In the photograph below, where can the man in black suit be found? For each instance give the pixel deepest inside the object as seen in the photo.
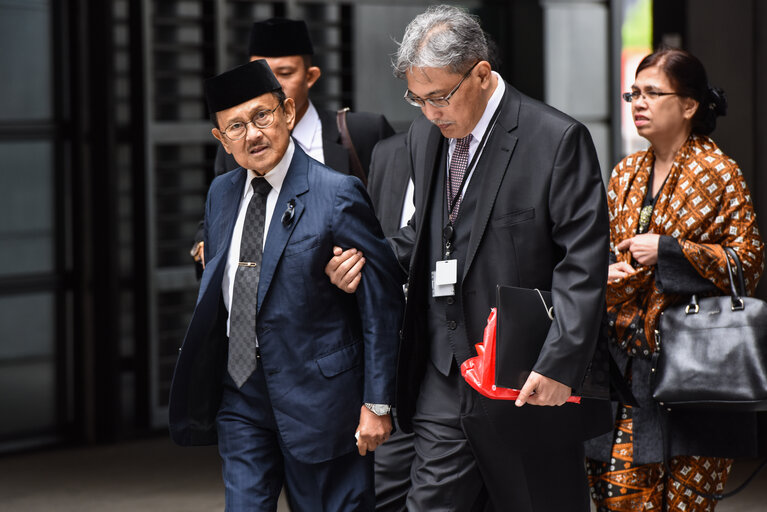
(287, 48)
(390, 183)
(507, 191)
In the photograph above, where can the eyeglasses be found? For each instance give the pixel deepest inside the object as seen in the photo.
(442, 102)
(628, 97)
(262, 119)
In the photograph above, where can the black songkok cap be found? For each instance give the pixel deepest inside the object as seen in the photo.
(239, 85)
(280, 37)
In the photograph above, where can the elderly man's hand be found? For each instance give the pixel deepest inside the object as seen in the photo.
(345, 269)
(372, 431)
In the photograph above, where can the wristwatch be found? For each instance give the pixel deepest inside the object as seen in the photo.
(379, 409)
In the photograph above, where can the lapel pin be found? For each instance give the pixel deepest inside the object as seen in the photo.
(287, 217)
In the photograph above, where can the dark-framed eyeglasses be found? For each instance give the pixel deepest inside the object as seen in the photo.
(261, 119)
(628, 97)
(442, 102)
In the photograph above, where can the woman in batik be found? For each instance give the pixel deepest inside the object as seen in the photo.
(673, 209)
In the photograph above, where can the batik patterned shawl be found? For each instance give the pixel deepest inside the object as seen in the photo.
(706, 205)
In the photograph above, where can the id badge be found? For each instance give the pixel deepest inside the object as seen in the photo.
(443, 278)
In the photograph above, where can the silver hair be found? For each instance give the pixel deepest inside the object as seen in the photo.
(442, 37)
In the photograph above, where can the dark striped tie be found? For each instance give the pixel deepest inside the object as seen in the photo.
(458, 164)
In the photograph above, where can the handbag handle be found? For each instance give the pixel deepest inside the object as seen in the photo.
(736, 294)
(737, 301)
(692, 308)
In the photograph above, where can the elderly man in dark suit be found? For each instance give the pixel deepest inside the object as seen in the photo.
(390, 186)
(279, 366)
(287, 48)
(507, 191)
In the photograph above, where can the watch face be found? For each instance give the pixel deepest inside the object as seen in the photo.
(378, 409)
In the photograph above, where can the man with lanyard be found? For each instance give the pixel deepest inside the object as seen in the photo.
(508, 191)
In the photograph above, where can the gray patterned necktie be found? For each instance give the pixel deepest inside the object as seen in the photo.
(458, 164)
(242, 316)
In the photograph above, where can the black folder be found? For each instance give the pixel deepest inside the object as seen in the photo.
(523, 323)
(522, 326)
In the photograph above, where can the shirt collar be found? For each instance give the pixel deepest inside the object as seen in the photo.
(492, 105)
(276, 176)
(306, 127)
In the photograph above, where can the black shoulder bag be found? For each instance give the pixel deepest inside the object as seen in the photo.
(712, 352)
(712, 355)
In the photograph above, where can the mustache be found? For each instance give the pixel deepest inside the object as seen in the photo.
(439, 122)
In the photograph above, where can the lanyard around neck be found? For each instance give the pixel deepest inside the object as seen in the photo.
(448, 231)
(454, 201)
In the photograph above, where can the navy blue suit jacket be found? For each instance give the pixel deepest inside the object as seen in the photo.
(324, 352)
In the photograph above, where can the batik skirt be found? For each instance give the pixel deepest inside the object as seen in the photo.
(622, 486)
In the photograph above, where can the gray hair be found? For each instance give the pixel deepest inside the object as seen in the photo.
(442, 37)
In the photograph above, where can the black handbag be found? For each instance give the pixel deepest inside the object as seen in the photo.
(712, 353)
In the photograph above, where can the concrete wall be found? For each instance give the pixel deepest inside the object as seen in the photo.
(377, 90)
(577, 66)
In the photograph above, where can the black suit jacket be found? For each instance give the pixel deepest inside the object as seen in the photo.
(390, 173)
(541, 222)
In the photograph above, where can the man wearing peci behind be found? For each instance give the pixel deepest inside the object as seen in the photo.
(278, 366)
(507, 191)
(286, 46)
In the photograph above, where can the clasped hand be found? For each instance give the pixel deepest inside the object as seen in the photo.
(372, 431)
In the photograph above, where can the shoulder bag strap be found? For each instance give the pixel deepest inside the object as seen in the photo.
(346, 140)
(738, 272)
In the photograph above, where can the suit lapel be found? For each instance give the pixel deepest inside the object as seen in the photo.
(395, 199)
(430, 158)
(492, 167)
(296, 183)
(336, 156)
(229, 198)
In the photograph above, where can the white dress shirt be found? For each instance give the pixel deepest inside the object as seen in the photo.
(275, 177)
(308, 134)
(408, 207)
(479, 129)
